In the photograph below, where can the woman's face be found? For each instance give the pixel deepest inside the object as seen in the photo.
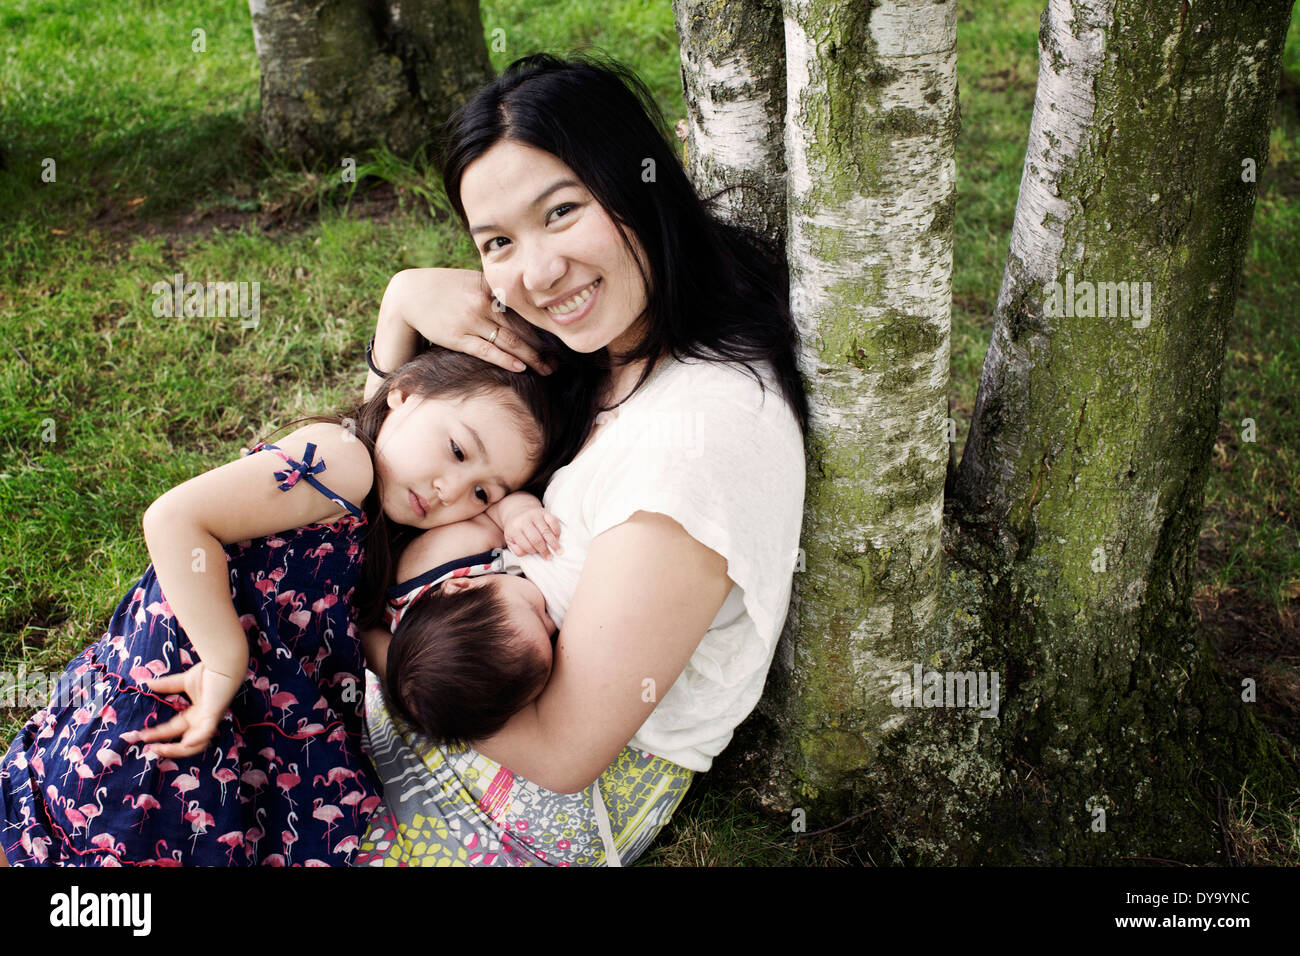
(545, 243)
(445, 460)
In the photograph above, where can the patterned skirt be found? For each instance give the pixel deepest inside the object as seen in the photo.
(447, 807)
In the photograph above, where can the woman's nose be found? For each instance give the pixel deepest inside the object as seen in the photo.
(542, 269)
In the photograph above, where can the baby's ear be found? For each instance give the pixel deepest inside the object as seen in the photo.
(452, 585)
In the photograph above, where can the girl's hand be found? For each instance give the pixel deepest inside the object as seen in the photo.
(455, 309)
(533, 530)
(210, 694)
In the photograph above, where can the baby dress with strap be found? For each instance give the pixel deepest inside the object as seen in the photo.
(402, 595)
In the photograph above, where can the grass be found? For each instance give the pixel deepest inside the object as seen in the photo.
(158, 170)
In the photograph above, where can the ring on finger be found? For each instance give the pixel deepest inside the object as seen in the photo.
(492, 339)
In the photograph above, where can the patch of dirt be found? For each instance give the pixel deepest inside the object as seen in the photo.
(37, 619)
(1252, 640)
(1003, 80)
(1288, 94)
(122, 219)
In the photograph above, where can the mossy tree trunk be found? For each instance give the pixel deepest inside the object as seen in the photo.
(342, 75)
(869, 126)
(1073, 519)
(1079, 497)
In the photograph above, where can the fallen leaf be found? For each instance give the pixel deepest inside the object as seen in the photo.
(136, 201)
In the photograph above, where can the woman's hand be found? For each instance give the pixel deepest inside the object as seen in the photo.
(210, 693)
(455, 309)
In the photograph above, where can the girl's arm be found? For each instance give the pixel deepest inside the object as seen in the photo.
(647, 593)
(451, 308)
(185, 530)
(375, 641)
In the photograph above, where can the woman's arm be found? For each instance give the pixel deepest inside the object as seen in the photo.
(647, 593)
(451, 308)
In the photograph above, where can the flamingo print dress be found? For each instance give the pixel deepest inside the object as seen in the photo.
(285, 781)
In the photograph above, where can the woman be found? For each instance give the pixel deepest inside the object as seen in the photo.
(681, 511)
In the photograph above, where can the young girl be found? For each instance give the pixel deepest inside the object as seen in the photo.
(258, 568)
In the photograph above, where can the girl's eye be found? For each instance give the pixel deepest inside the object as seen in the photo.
(488, 247)
(455, 450)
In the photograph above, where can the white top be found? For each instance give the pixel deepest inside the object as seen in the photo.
(701, 443)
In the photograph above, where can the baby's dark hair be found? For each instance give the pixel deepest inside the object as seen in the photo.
(457, 669)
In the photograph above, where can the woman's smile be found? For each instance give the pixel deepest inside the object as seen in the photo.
(574, 308)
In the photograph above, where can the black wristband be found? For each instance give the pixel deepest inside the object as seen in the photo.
(370, 360)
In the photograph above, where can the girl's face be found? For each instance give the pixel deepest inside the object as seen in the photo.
(545, 242)
(444, 460)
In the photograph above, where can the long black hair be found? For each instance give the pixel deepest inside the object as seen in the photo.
(715, 291)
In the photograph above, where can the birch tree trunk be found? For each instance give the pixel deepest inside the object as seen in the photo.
(1077, 506)
(733, 79)
(343, 75)
(1079, 495)
(870, 124)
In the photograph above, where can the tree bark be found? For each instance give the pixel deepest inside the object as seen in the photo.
(340, 76)
(1079, 497)
(871, 120)
(1076, 509)
(733, 79)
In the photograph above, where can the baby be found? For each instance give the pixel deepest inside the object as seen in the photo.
(471, 636)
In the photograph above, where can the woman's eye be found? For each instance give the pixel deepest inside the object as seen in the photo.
(455, 450)
(562, 208)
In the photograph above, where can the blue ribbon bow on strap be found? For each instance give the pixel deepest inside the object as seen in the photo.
(288, 477)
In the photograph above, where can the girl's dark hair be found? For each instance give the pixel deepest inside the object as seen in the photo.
(716, 291)
(456, 668)
(557, 410)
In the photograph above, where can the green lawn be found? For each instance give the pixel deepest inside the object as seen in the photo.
(157, 171)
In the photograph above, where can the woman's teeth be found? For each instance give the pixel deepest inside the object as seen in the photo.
(575, 303)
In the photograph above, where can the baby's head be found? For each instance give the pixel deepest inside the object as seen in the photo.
(468, 655)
